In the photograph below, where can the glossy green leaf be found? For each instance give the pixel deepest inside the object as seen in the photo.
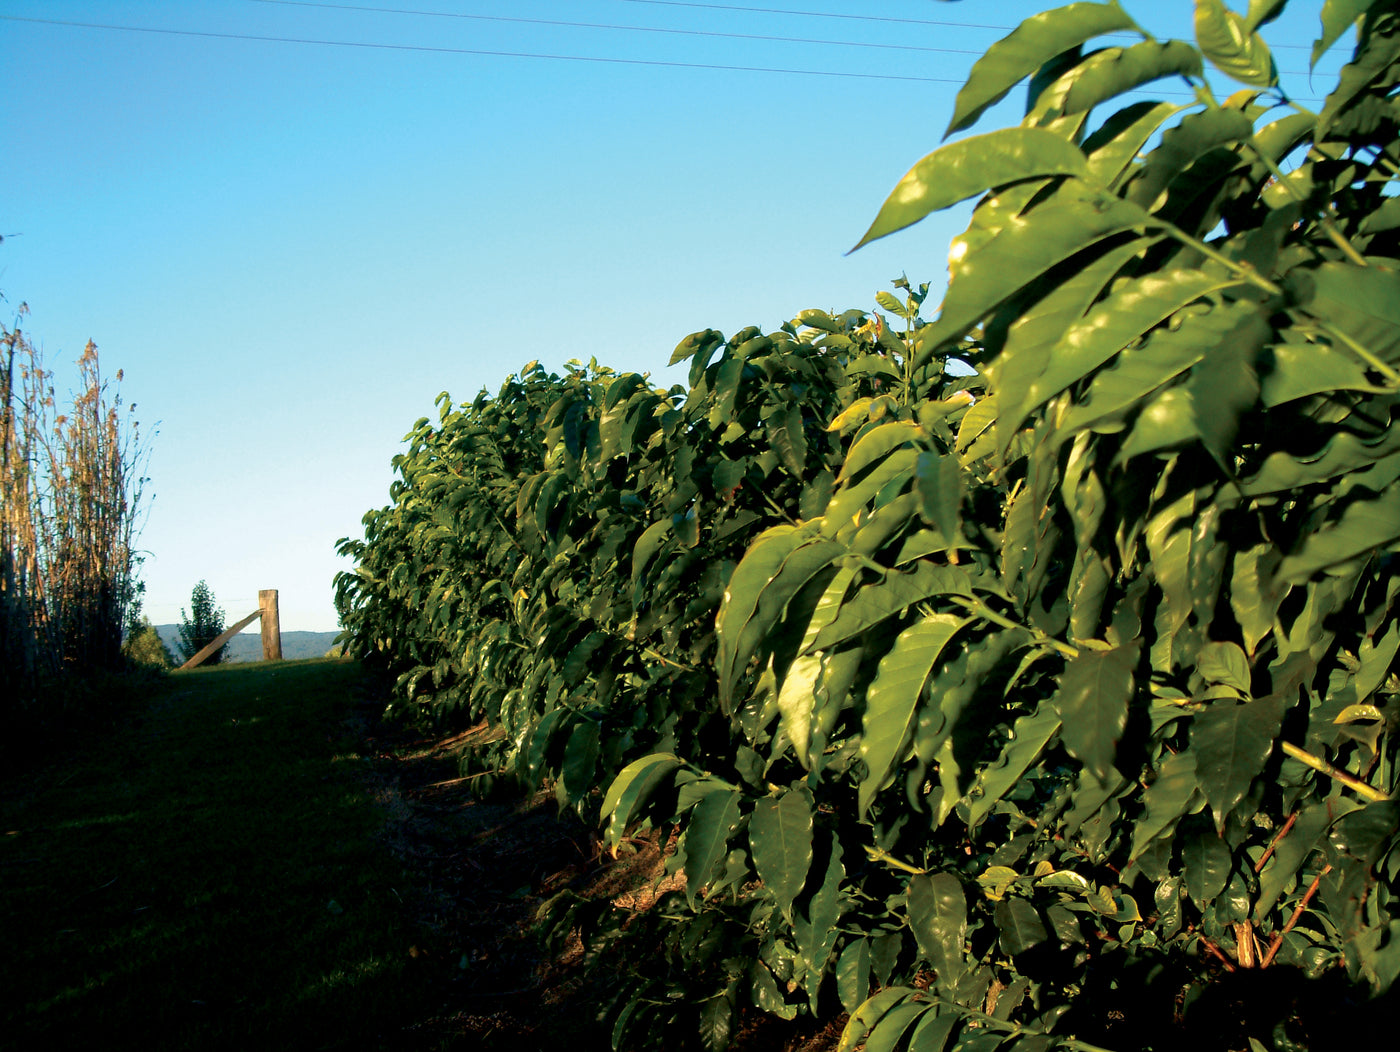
(1114, 147)
(1363, 302)
(581, 759)
(1037, 40)
(1109, 73)
(1019, 927)
(1364, 525)
(631, 789)
(893, 701)
(1231, 743)
(818, 933)
(1169, 796)
(1231, 46)
(868, 1014)
(1224, 663)
(1262, 12)
(1337, 17)
(938, 482)
(712, 822)
(780, 836)
(969, 167)
(1076, 219)
(716, 1023)
(1092, 702)
(1205, 863)
(938, 918)
(1120, 320)
(896, 593)
(932, 1031)
(1031, 340)
(886, 1034)
(853, 973)
(1030, 735)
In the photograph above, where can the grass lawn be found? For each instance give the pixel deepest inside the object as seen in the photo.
(208, 877)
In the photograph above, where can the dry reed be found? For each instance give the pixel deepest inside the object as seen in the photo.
(71, 488)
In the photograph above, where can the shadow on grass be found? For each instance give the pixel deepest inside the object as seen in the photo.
(209, 876)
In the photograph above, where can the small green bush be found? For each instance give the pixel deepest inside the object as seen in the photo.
(145, 649)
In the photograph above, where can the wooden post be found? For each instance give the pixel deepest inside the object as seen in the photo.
(214, 646)
(271, 628)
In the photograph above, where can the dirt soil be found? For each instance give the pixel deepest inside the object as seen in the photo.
(481, 869)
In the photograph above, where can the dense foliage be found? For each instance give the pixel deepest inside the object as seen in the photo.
(972, 693)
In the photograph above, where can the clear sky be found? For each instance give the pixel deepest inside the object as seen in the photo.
(293, 224)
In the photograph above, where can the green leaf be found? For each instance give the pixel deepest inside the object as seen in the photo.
(1205, 862)
(1037, 40)
(1224, 663)
(1309, 369)
(1120, 320)
(932, 1032)
(969, 167)
(1293, 850)
(853, 973)
(785, 432)
(892, 703)
(1137, 372)
(1113, 71)
(1363, 302)
(1019, 927)
(712, 823)
(631, 788)
(938, 917)
(1092, 701)
(892, 1026)
(1076, 218)
(1121, 138)
(1032, 339)
(716, 1023)
(581, 759)
(697, 343)
(1170, 796)
(1029, 737)
(1196, 135)
(780, 836)
(938, 482)
(1364, 525)
(884, 599)
(1262, 12)
(1231, 743)
(1337, 17)
(817, 935)
(868, 1014)
(1232, 47)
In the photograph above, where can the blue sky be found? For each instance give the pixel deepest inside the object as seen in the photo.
(291, 248)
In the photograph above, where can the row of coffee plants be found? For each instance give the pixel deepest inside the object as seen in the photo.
(973, 697)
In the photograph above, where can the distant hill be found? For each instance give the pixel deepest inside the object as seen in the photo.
(247, 645)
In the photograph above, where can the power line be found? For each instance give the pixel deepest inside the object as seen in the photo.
(611, 26)
(862, 18)
(480, 51)
(820, 14)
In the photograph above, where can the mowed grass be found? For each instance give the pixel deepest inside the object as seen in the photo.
(208, 877)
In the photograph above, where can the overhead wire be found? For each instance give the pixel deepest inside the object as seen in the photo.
(598, 59)
(381, 46)
(613, 26)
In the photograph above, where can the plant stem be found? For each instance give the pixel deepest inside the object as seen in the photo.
(1370, 792)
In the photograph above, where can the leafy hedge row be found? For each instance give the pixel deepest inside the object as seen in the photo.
(969, 690)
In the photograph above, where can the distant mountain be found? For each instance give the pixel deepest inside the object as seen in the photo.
(247, 645)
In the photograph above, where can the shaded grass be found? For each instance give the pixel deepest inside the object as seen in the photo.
(208, 877)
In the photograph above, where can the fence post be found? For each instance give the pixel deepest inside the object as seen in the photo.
(271, 627)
